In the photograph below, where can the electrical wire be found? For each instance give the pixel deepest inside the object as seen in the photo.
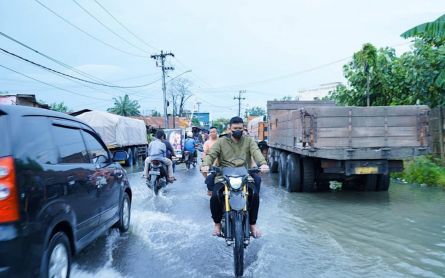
(88, 34)
(51, 85)
(106, 27)
(123, 26)
(74, 77)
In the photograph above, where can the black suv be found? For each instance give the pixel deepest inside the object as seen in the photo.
(59, 190)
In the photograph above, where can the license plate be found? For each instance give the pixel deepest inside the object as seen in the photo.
(366, 170)
(154, 173)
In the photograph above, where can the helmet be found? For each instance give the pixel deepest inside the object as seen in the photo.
(190, 134)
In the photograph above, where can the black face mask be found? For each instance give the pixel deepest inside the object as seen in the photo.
(237, 134)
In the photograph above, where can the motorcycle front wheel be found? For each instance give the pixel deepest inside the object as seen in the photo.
(238, 249)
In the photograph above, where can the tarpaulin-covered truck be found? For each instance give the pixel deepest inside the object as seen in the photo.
(119, 133)
(313, 143)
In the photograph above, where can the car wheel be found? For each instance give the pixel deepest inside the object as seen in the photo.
(57, 261)
(125, 214)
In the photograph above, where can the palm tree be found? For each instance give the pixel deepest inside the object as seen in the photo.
(125, 107)
(434, 33)
(434, 29)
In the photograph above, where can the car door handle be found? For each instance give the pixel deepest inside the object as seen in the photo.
(71, 180)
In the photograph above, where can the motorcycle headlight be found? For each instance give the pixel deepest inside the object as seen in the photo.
(235, 183)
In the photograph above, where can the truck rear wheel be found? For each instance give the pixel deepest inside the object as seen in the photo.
(282, 169)
(370, 183)
(383, 182)
(308, 179)
(273, 163)
(130, 159)
(293, 174)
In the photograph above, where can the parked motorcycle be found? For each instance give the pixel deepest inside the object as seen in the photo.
(235, 221)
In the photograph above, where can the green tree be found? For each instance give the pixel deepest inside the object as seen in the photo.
(220, 124)
(195, 122)
(433, 33)
(125, 107)
(256, 111)
(155, 113)
(412, 78)
(60, 107)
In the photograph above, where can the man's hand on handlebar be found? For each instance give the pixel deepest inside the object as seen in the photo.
(264, 168)
(205, 169)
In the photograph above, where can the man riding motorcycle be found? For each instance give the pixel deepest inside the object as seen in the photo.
(235, 151)
(190, 145)
(158, 151)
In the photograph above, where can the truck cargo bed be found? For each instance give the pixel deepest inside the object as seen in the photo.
(326, 131)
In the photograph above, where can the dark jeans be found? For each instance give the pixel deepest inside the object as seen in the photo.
(216, 201)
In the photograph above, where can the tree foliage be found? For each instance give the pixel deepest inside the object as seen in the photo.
(416, 76)
(220, 124)
(256, 111)
(125, 107)
(60, 107)
(433, 32)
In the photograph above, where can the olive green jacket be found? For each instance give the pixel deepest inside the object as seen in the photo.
(231, 154)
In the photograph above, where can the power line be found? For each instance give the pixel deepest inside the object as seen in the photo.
(86, 33)
(48, 84)
(92, 77)
(106, 27)
(123, 26)
(74, 77)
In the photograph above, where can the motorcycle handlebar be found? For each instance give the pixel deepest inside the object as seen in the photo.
(218, 170)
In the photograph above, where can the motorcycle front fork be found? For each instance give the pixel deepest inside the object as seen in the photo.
(227, 219)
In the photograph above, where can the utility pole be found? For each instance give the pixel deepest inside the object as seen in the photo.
(161, 58)
(199, 105)
(239, 98)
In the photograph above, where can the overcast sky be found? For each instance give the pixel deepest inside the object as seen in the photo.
(268, 48)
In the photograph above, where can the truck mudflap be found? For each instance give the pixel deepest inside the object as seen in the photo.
(366, 167)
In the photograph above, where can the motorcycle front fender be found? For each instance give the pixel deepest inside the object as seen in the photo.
(237, 202)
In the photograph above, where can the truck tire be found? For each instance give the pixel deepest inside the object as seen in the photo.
(370, 183)
(130, 159)
(293, 174)
(383, 182)
(134, 150)
(282, 169)
(273, 163)
(308, 177)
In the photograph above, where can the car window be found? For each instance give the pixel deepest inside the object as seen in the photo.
(94, 147)
(70, 143)
(33, 142)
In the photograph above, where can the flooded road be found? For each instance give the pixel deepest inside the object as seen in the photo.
(400, 233)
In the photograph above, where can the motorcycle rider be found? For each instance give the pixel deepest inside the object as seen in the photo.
(235, 151)
(158, 151)
(213, 137)
(190, 145)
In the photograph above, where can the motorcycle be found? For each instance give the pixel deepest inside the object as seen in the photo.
(189, 159)
(157, 176)
(235, 222)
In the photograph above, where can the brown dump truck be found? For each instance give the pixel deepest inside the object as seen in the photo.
(313, 143)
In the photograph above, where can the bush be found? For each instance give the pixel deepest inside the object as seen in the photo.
(424, 170)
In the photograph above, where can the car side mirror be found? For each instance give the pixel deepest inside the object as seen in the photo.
(120, 156)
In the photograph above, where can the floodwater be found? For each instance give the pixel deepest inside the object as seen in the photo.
(400, 233)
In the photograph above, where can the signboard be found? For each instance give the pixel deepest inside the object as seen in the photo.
(203, 118)
(175, 137)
